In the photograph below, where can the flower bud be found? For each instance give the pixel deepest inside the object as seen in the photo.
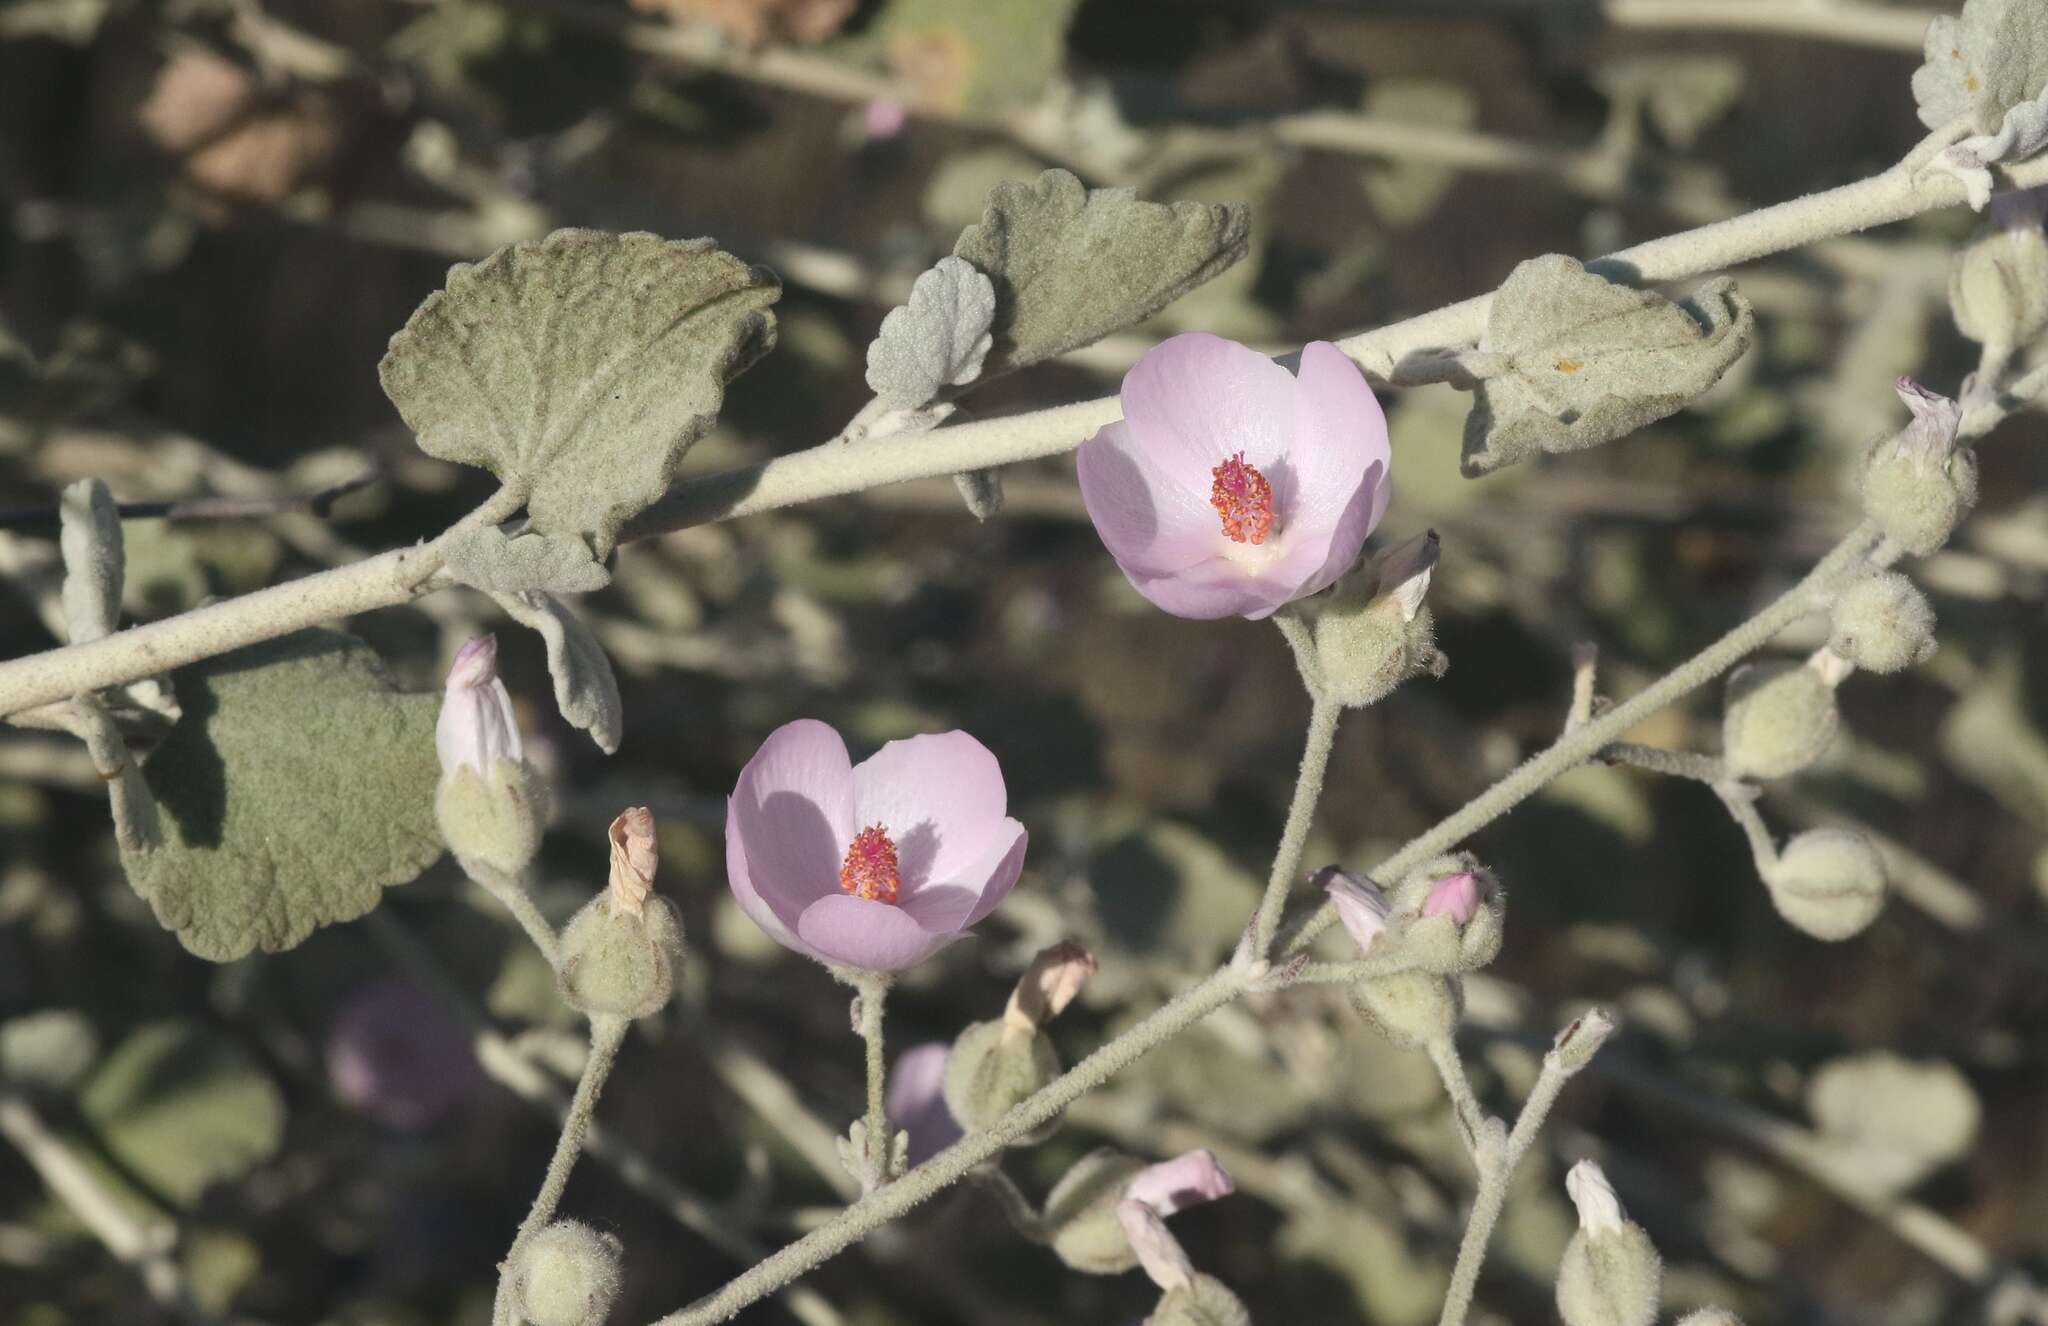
(1998, 285)
(1611, 1274)
(1451, 914)
(1048, 985)
(1414, 1008)
(1828, 882)
(567, 1276)
(1361, 908)
(619, 954)
(491, 804)
(1375, 632)
(1780, 718)
(991, 1068)
(1918, 483)
(1202, 1301)
(1080, 1213)
(1883, 623)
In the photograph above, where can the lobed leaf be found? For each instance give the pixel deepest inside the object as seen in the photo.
(1581, 360)
(1982, 63)
(1072, 264)
(935, 340)
(297, 786)
(581, 366)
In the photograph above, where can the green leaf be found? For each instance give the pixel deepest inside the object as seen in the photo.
(1581, 360)
(297, 786)
(1683, 95)
(182, 1107)
(1072, 264)
(52, 1049)
(1405, 192)
(936, 339)
(580, 367)
(486, 558)
(1983, 63)
(585, 690)
(91, 540)
(985, 57)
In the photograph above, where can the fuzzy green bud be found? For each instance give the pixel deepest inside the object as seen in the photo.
(1611, 1274)
(619, 955)
(1202, 1301)
(1375, 632)
(1918, 483)
(1780, 718)
(994, 1065)
(1080, 1213)
(493, 820)
(1451, 914)
(1414, 1008)
(1828, 882)
(1883, 623)
(1998, 285)
(568, 1275)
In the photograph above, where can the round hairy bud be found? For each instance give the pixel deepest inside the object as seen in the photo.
(1609, 1278)
(993, 1065)
(1413, 1008)
(1883, 623)
(619, 963)
(567, 1276)
(1202, 1301)
(1998, 285)
(1780, 718)
(1080, 1213)
(1918, 483)
(493, 819)
(1375, 632)
(1828, 882)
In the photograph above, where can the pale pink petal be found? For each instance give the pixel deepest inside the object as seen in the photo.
(1212, 589)
(916, 1100)
(1175, 1185)
(1159, 1252)
(739, 878)
(956, 904)
(940, 797)
(1195, 400)
(1153, 520)
(1455, 896)
(476, 727)
(860, 932)
(792, 814)
(1361, 907)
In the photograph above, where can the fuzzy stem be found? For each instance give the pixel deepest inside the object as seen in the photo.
(515, 893)
(607, 1031)
(1443, 1053)
(1308, 790)
(1588, 739)
(874, 994)
(832, 469)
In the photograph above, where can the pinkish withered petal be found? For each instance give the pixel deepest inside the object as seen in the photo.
(1175, 1185)
(1361, 907)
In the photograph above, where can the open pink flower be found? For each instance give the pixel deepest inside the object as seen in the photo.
(877, 865)
(1232, 487)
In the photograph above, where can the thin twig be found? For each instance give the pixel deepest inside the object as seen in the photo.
(186, 509)
(1308, 791)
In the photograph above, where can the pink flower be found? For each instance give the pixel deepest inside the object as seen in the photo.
(397, 1055)
(1157, 1192)
(1456, 896)
(877, 865)
(916, 1101)
(1232, 487)
(476, 727)
(1360, 905)
(883, 117)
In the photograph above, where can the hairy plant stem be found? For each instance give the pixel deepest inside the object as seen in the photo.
(1308, 790)
(874, 994)
(606, 1033)
(499, 507)
(832, 469)
(1443, 1053)
(515, 893)
(1587, 740)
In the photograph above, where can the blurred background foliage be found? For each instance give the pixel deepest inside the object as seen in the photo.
(213, 213)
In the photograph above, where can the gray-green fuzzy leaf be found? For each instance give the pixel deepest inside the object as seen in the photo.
(93, 560)
(297, 786)
(1983, 63)
(485, 557)
(581, 366)
(182, 1107)
(1585, 361)
(585, 690)
(937, 339)
(1072, 264)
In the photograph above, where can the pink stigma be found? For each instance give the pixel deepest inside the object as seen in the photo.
(870, 869)
(1244, 500)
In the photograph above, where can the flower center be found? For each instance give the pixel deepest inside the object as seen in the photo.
(870, 869)
(1244, 500)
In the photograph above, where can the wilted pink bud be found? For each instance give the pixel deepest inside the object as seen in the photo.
(1599, 1209)
(1360, 904)
(1930, 438)
(1186, 1180)
(633, 860)
(1456, 896)
(476, 727)
(1159, 1252)
(916, 1100)
(1055, 976)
